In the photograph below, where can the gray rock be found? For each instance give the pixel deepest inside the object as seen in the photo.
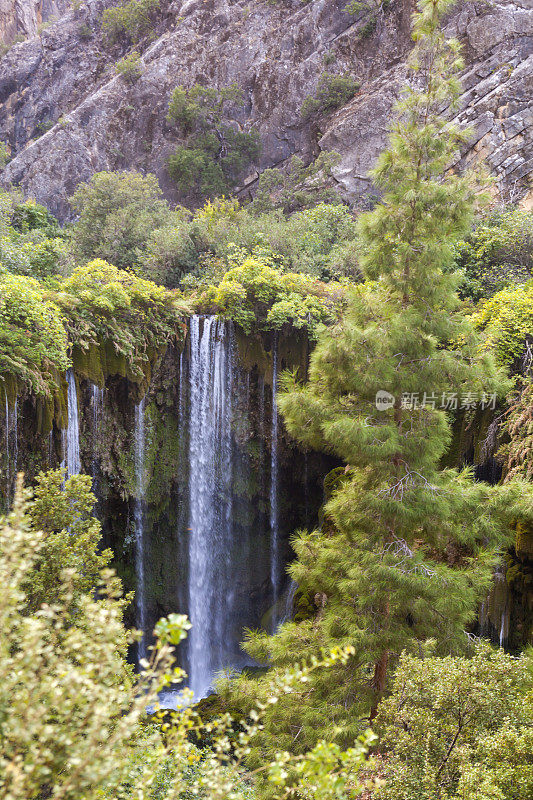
(276, 54)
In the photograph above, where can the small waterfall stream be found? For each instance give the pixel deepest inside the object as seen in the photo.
(73, 429)
(138, 517)
(11, 436)
(97, 402)
(274, 510)
(210, 498)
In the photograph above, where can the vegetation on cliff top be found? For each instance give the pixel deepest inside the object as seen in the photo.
(41, 320)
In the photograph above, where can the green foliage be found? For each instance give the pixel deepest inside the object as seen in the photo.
(332, 92)
(258, 296)
(170, 253)
(85, 31)
(117, 213)
(131, 20)
(215, 153)
(297, 187)
(497, 252)
(31, 241)
(5, 154)
(33, 340)
(506, 320)
(406, 550)
(458, 728)
(129, 319)
(74, 721)
(103, 303)
(62, 510)
(517, 451)
(201, 106)
(30, 216)
(319, 241)
(130, 68)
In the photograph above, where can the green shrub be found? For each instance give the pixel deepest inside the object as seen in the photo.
(319, 241)
(297, 186)
(85, 31)
(215, 153)
(506, 320)
(101, 302)
(333, 91)
(5, 154)
(33, 339)
(130, 68)
(201, 105)
(170, 252)
(257, 295)
(29, 216)
(31, 241)
(117, 213)
(458, 728)
(132, 20)
(498, 252)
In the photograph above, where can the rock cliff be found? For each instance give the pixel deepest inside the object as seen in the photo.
(66, 114)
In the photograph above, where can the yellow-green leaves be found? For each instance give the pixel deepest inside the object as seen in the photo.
(33, 339)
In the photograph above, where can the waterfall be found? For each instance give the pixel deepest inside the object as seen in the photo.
(97, 401)
(11, 449)
(138, 518)
(288, 609)
(73, 430)
(211, 589)
(274, 510)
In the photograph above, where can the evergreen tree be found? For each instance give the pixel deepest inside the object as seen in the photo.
(406, 550)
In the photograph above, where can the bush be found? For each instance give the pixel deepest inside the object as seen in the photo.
(102, 302)
(170, 253)
(33, 340)
(333, 91)
(319, 241)
(506, 320)
(498, 252)
(30, 216)
(257, 295)
(132, 20)
(130, 68)
(298, 186)
(5, 154)
(458, 728)
(215, 153)
(62, 510)
(117, 213)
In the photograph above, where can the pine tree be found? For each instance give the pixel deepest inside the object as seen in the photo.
(407, 549)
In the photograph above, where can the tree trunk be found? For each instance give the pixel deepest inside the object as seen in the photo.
(378, 682)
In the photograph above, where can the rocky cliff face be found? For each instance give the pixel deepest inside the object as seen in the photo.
(66, 114)
(22, 18)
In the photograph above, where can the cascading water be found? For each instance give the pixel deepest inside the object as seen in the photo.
(138, 517)
(274, 510)
(11, 449)
(97, 402)
(211, 590)
(73, 429)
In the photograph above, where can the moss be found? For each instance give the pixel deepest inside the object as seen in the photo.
(11, 388)
(524, 539)
(87, 363)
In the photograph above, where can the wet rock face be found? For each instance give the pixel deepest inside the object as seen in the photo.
(67, 115)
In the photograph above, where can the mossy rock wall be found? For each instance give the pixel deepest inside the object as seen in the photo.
(107, 394)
